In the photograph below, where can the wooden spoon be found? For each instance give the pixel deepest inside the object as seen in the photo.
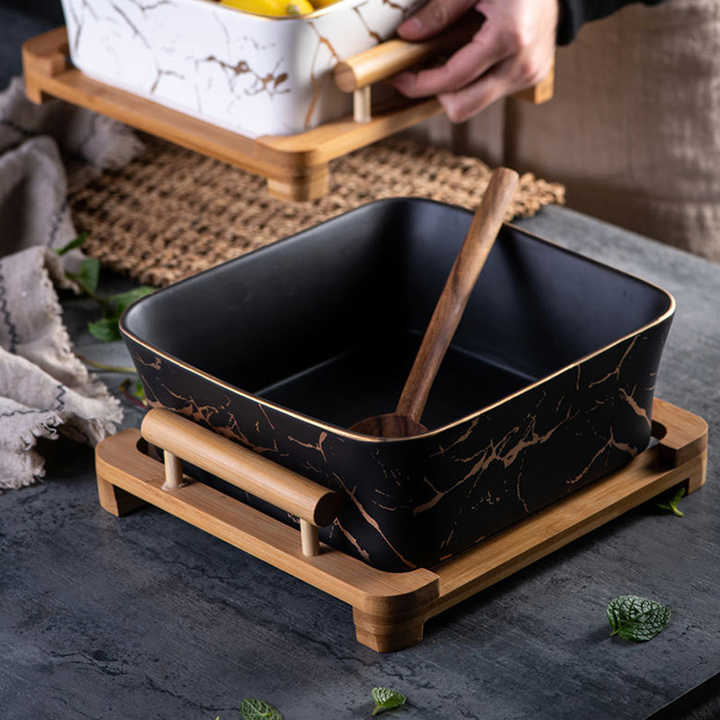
(405, 421)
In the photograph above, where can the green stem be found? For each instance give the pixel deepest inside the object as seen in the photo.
(108, 368)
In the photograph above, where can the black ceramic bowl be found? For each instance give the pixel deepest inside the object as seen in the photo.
(548, 384)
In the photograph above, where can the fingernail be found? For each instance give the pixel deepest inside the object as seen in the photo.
(411, 26)
(451, 107)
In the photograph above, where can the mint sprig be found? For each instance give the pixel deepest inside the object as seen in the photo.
(637, 618)
(106, 329)
(386, 699)
(671, 504)
(254, 709)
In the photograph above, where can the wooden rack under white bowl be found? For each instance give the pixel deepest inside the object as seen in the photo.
(295, 166)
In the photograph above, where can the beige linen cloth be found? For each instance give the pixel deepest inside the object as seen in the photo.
(44, 388)
(633, 131)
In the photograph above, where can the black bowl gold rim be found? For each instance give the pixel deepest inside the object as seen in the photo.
(344, 432)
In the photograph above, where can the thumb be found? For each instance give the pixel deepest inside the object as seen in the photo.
(433, 17)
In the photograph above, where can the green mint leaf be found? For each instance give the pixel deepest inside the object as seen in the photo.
(386, 699)
(671, 505)
(637, 618)
(89, 275)
(139, 391)
(122, 301)
(253, 709)
(105, 330)
(133, 397)
(77, 242)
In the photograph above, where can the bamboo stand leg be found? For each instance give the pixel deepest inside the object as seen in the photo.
(697, 478)
(311, 185)
(34, 92)
(685, 444)
(115, 500)
(48, 59)
(388, 633)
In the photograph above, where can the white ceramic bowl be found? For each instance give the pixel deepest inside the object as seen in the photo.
(249, 73)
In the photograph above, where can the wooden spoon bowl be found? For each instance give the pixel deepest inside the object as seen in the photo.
(405, 421)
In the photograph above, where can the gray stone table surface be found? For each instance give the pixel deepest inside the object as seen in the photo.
(147, 617)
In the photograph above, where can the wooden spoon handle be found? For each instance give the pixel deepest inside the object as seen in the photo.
(451, 305)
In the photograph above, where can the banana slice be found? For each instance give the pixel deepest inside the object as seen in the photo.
(272, 7)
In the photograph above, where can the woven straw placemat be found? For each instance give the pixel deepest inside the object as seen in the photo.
(172, 212)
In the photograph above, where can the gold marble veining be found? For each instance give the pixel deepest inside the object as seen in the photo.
(518, 494)
(353, 541)
(374, 35)
(458, 441)
(322, 40)
(610, 443)
(370, 520)
(497, 451)
(630, 400)
(232, 430)
(616, 372)
(156, 364)
(153, 6)
(164, 73)
(264, 412)
(493, 452)
(318, 446)
(397, 6)
(79, 22)
(269, 83)
(131, 25)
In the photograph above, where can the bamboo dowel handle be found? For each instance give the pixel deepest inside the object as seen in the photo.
(456, 293)
(393, 56)
(243, 468)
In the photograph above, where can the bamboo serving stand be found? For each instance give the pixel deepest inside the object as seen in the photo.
(295, 166)
(389, 609)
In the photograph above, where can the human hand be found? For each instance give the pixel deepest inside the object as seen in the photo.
(513, 50)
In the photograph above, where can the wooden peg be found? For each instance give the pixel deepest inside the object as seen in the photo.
(309, 538)
(173, 472)
(362, 104)
(315, 505)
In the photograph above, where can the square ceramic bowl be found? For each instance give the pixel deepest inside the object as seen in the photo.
(547, 387)
(253, 74)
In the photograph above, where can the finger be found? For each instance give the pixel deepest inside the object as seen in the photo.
(467, 64)
(463, 104)
(432, 18)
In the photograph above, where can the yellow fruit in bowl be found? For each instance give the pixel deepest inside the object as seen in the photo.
(317, 4)
(272, 7)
